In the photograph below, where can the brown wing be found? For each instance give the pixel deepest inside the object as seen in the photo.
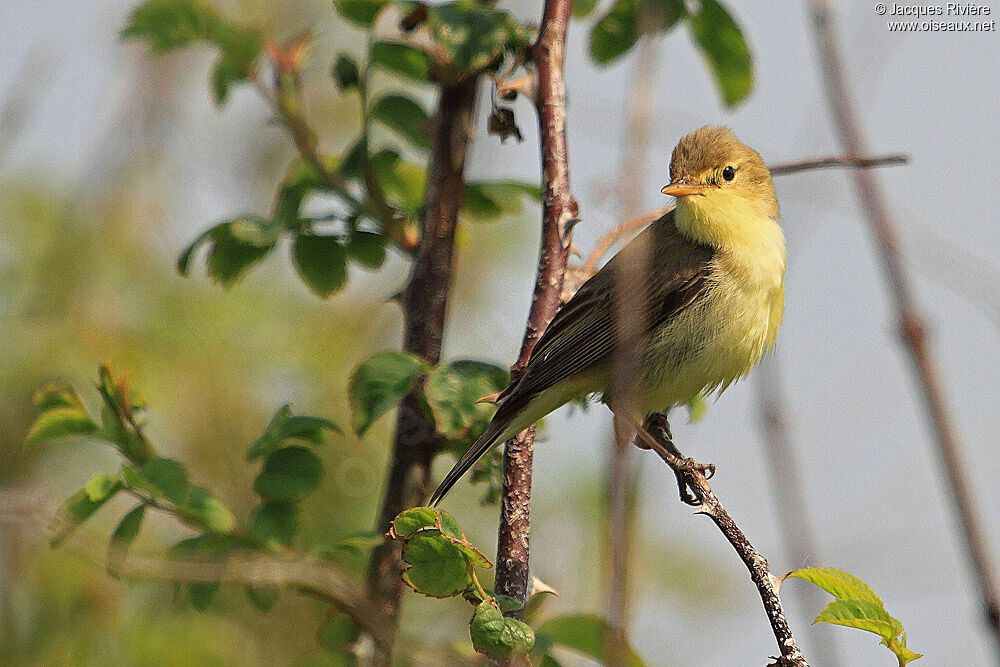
(582, 333)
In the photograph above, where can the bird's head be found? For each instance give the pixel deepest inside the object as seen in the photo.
(719, 180)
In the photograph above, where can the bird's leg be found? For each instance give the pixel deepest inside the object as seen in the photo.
(657, 427)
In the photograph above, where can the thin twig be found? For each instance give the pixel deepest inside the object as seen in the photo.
(558, 213)
(911, 327)
(656, 435)
(631, 226)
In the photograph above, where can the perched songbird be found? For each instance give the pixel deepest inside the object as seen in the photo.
(714, 295)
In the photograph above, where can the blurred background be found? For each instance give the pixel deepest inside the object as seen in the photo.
(112, 161)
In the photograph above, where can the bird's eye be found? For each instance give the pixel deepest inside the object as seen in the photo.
(729, 173)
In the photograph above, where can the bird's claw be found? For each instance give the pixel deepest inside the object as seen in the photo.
(707, 470)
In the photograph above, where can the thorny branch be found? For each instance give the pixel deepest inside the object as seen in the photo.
(911, 327)
(655, 434)
(558, 213)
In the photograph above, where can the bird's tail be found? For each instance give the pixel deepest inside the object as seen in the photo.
(499, 429)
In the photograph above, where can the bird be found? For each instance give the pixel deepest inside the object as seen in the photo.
(714, 298)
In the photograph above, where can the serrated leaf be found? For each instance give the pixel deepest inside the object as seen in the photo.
(59, 423)
(289, 474)
(839, 584)
(863, 615)
(452, 391)
(437, 566)
(415, 519)
(167, 24)
(124, 535)
(367, 249)
(497, 636)
(405, 117)
(725, 50)
(379, 383)
(273, 524)
(321, 262)
(284, 426)
(209, 511)
(345, 72)
(166, 478)
(75, 510)
(473, 37)
(360, 12)
(403, 59)
(585, 634)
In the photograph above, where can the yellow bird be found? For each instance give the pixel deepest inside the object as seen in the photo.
(714, 297)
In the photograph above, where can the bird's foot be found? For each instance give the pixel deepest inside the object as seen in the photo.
(657, 425)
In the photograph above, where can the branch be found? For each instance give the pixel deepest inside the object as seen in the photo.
(656, 434)
(911, 327)
(425, 302)
(630, 226)
(558, 213)
(316, 578)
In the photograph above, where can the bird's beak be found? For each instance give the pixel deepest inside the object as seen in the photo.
(683, 188)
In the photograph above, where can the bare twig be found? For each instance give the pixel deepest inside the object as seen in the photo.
(425, 303)
(633, 225)
(558, 213)
(911, 327)
(656, 434)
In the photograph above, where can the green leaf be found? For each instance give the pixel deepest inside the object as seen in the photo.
(452, 391)
(167, 24)
(262, 597)
(345, 73)
(321, 262)
(273, 524)
(585, 634)
(497, 636)
(863, 615)
(402, 181)
(486, 202)
(367, 249)
(60, 395)
(201, 594)
(234, 247)
(415, 519)
(615, 33)
(437, 566)
(240, 49)
(100, 487)
(124, 535)
(403, 59)
(581, 8)
(405, 117)
(379, 383)
(473, 37)
(284, 426)
(209, 511)
(359, 542)
(59, 423)
(839, 584)
(722, 43)
(289, 474)
(76, 509)
(360, 12)
(166, 478)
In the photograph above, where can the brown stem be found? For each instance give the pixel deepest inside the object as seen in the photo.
(558, 211)
(632, 225)
(911, 327)
(656, 435)
(425, 303)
